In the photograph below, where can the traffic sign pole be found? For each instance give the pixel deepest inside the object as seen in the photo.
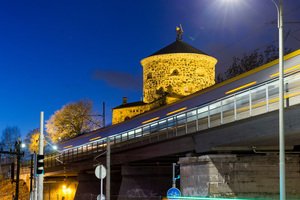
(101, 189)
(108, 169)
(173, 193)
(173, 177)
(100, 173)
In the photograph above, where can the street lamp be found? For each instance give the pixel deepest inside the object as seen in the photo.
(279, 8)
(281, 102)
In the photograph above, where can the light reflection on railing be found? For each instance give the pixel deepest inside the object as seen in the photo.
(250, 102)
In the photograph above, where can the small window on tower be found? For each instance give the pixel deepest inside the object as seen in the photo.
(175, 73)
(149, 76)
(127, 118)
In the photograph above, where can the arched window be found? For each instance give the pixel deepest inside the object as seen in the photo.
(126, 118)
(149, 76)
(175, 72)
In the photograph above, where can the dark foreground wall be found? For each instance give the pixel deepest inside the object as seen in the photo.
(89, 185)
(242, 176)
(145, 181)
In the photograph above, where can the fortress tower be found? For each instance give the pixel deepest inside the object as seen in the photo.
(169, 74)
(177, 70)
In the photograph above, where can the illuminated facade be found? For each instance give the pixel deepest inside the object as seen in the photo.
(169, 74)
(177, 75)
(129, 110)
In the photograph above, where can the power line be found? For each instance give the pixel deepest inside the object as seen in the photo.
(251, 33)
(239, 40)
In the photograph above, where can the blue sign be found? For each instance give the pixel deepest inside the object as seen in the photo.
(173, 193)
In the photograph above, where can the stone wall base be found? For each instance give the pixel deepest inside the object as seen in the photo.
(241, 176)
(145, 181)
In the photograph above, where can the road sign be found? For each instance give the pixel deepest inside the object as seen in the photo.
(173, 193)
(99, 197)
(100, 172)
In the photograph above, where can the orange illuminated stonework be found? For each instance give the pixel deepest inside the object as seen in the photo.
(171, 73)
(177, 74)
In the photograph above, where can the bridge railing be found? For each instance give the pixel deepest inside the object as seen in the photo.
(247, 103)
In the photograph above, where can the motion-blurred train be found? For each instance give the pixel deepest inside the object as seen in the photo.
(241, 82)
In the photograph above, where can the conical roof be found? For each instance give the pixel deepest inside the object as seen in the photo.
(178, 47)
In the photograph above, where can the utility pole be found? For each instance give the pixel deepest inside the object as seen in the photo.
(19, 154)
(108, 169)
(34, 192)
(31, 173)
(18, 147)
(103, 115)
(41, 152)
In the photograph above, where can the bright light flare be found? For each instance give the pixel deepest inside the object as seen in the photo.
(23, 145)
(226, 13)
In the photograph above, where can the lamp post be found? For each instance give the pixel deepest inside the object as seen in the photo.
(279, 8)
(281, 102)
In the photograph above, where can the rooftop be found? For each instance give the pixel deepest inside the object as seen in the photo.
(138, 103)
(178, 47)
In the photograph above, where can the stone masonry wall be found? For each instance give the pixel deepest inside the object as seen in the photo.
(122, 114)
(179, 74)
(241, 176)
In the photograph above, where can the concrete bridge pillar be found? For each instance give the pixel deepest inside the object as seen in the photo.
(241, 176)
(145, 181)
(89, 185)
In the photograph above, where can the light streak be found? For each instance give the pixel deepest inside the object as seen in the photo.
(150, 120)
(242, 87)
(289, 69)
(95, 138)
(170, 113)
(68, 146)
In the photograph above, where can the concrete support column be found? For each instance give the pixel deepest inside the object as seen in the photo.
(89, 185)
(145, 181)
(241, 176)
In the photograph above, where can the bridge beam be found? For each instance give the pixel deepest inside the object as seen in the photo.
(258, 131)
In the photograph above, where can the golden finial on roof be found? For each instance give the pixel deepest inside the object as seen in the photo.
(179, 32)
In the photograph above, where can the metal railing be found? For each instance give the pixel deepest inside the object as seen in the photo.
(247, 103)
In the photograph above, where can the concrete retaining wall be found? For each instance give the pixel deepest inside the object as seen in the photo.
(242, 176)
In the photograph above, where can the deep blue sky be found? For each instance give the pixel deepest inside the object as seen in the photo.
(54, 52)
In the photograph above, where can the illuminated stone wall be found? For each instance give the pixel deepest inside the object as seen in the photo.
(122, 114)
(179, 74)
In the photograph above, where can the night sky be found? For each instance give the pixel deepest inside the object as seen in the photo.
(54, 52)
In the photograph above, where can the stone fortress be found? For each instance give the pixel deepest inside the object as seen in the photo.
(171, 73)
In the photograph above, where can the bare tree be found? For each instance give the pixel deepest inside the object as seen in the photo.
(250, 61)
(9, 136)
(73, 119)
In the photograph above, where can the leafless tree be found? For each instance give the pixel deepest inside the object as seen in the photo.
(9, 136)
